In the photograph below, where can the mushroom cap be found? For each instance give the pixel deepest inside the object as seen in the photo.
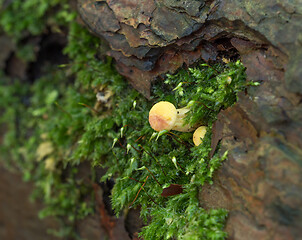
(199, 134)
(162, 116)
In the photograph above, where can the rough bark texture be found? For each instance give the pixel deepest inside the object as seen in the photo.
(260, 183)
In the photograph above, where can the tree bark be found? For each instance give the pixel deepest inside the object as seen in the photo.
(260, 183)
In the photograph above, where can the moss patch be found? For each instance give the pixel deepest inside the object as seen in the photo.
(60, 125)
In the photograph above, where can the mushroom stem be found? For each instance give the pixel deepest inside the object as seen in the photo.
(179, 124)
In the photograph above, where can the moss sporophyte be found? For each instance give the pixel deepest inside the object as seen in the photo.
(68, 115)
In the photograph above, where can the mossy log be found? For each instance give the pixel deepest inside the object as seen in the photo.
(260, 183)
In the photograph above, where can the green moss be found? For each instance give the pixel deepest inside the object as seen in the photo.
(54, 114)
(21, 18)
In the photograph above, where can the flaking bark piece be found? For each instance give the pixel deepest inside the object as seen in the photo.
(171, 25)
(133, 12)
(133, 36)
(190, 7)
(118, 42)
(96, 14)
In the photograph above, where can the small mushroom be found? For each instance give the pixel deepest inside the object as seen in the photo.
(199, 135)
(164, 116)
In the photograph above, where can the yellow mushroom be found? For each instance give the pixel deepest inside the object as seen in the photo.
(199, 135)
(164, 116)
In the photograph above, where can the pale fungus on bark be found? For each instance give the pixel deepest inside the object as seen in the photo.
(164, 116)
(199, 135)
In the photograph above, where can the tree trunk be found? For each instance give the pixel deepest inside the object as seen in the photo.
(260, 183)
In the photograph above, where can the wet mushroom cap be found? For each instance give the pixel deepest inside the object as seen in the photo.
(162, 116)
(199, 135)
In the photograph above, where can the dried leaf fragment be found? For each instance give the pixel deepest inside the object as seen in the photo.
(172, 190)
